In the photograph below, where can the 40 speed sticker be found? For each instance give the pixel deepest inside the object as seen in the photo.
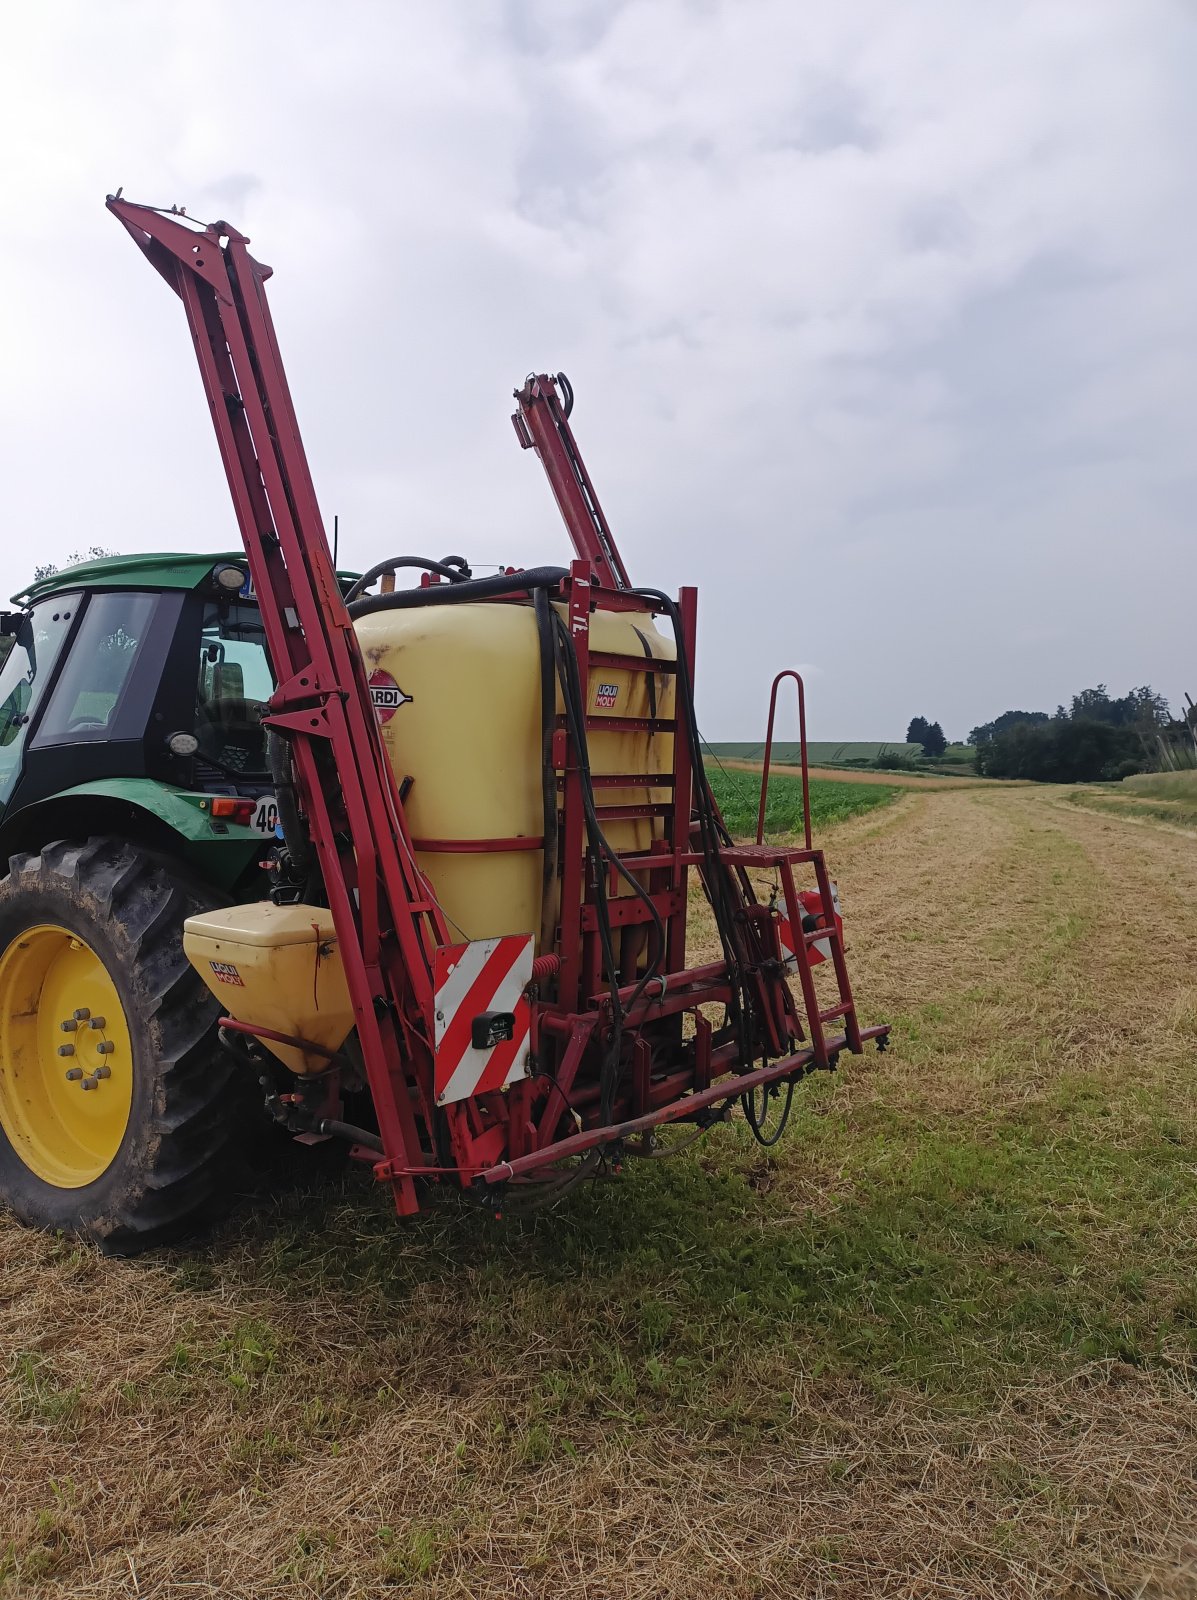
(386, 695)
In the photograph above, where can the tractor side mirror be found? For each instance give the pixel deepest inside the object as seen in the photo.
(11, 623)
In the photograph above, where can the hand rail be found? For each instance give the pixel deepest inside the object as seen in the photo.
(760, 821)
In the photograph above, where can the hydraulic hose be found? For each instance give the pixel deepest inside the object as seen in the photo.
(601, 851)
(451, 568)
(459, 593)
(295, 835)
(712, 835)
(346, 1130)
(548, 723)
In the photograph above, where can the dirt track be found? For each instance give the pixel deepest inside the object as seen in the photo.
(316, 1404)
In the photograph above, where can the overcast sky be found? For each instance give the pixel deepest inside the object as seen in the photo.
(880, 315)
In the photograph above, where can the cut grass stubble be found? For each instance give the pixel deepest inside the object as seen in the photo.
(940, 1341)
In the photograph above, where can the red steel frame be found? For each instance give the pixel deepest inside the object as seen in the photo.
(384, 909)
(760, 816)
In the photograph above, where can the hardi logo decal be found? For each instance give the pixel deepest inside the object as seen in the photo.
(606, 695)
(386, 695)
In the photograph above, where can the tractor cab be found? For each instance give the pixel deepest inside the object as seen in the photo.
(140, 681)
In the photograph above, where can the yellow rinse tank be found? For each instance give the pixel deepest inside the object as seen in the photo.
(458, 689)
(276, 967)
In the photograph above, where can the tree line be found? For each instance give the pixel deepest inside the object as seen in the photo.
(1098, 736)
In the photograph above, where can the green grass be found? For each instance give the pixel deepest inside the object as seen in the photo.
(1180, 786)
(825, 753)
(1149, 797)
(739, 797)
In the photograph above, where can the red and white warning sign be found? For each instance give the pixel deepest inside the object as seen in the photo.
(812, 905)
(483, 1018)
(386, 695)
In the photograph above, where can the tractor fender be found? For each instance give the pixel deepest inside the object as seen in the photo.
(155, 815)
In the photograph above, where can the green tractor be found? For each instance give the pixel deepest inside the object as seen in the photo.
(134, 792)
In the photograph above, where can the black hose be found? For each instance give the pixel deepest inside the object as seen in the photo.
(346, 1130)
(461, 564)
(601, 851)
(295, 835)
(748, 1101)
(548, 775)
(448, 594)
(712, 834)
(447, 569)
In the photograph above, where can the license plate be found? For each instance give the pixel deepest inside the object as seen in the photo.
(266, 815)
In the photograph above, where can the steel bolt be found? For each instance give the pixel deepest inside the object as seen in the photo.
(66, 1049)
(81, 1013)
(74, 1074)
(102, 1072)
(105, 1047)
(89, 1083)
(95, 1022)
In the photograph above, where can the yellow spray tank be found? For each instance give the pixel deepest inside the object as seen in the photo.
(458, 692)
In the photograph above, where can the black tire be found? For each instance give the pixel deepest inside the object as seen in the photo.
(180, 1159)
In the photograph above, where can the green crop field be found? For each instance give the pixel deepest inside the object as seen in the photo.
(821, 752)
(739, 797)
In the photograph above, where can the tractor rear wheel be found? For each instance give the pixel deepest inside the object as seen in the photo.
(120, 1115)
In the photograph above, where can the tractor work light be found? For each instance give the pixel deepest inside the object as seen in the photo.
(229, 577)
(182, 744)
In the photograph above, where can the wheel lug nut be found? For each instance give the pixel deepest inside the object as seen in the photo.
(68, 1026)
(74, 1074)
(66, 1049)
(81, 1014)
(102, 1072)
(105, 1047)
(95, 1022)
(89, 1083)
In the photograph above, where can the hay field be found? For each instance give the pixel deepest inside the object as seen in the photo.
(939, 1343)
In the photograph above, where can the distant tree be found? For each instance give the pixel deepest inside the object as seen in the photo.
(1008, 719)
(928, 734)
(95, 552)
(1141, 708)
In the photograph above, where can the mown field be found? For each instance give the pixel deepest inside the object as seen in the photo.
(940, 1342)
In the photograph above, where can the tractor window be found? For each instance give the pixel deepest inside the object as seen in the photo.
(86, 701)
(26, 670)
(235, 684)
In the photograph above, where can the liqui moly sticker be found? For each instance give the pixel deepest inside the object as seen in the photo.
(386, 695)
(606, 695)
(226, 972)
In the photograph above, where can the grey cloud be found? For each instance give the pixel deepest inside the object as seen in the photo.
(879, 317)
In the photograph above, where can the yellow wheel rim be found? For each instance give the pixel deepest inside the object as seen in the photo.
(66, 1057)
